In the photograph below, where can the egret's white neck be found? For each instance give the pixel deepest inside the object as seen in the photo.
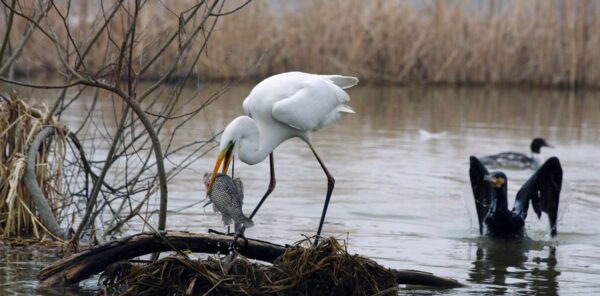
(250, 149)
(253, 144)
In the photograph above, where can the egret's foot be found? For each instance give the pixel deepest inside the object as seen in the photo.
(235, 246)
(238, 234)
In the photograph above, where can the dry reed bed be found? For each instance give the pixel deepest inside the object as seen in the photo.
(19, 124)
(534, 42)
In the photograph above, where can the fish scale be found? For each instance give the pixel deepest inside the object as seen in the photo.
(227, 197)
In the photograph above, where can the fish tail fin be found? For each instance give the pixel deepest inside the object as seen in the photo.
(246, 221)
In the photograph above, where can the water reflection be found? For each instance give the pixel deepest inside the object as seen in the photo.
(398, 194)
(19, 269)
(509, 265)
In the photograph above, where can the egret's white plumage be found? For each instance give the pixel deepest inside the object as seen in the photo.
(284, 106)
(281, 107)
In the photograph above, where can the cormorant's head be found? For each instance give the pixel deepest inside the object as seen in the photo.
(537, 144)
(496, 179)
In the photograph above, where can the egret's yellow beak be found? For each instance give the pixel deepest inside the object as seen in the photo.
(225, 158)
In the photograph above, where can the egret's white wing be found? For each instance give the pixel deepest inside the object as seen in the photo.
(342, 81)
(317, 104)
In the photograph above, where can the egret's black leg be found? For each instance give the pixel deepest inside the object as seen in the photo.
(330, 185)
(271, 186)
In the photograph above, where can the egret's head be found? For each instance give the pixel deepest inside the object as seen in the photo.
(231, 136)
(496, 179)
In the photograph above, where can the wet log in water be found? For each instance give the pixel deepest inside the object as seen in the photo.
(80, 266)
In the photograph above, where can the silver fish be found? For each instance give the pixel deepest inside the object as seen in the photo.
(227, 197)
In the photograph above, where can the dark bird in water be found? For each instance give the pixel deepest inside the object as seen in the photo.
(490, 192)
(517, 160)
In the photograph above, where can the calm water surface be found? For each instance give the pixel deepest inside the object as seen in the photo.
(402, 196)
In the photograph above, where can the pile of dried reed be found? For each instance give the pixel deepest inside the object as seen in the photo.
(534, 42)
(326, 269)
(19, 124)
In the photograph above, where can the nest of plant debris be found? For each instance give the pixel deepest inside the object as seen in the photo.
(325, 269)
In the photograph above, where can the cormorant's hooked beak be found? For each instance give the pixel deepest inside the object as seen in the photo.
(494, 181)
(225, 158)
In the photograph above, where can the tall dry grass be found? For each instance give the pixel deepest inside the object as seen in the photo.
(533, 42)
(19, 123)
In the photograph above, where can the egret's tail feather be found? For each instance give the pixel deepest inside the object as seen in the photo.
(247, 222)
(346, 109)
(334, 116)
(343, 81)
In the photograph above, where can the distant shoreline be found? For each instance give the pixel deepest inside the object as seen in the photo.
(533, 43)
(47, 76)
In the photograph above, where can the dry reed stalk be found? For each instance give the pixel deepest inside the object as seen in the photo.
(535, 42)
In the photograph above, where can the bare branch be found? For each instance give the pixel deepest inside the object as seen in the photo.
(7, 34)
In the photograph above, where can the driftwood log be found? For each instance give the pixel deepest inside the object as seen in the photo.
(78, 267)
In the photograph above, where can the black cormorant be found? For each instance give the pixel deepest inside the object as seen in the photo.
(517, 160)
(490, 190)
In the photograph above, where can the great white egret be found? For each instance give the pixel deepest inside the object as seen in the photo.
(279, 108)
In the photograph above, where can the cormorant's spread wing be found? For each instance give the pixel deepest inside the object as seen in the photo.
(482, 191)
(543, 189)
